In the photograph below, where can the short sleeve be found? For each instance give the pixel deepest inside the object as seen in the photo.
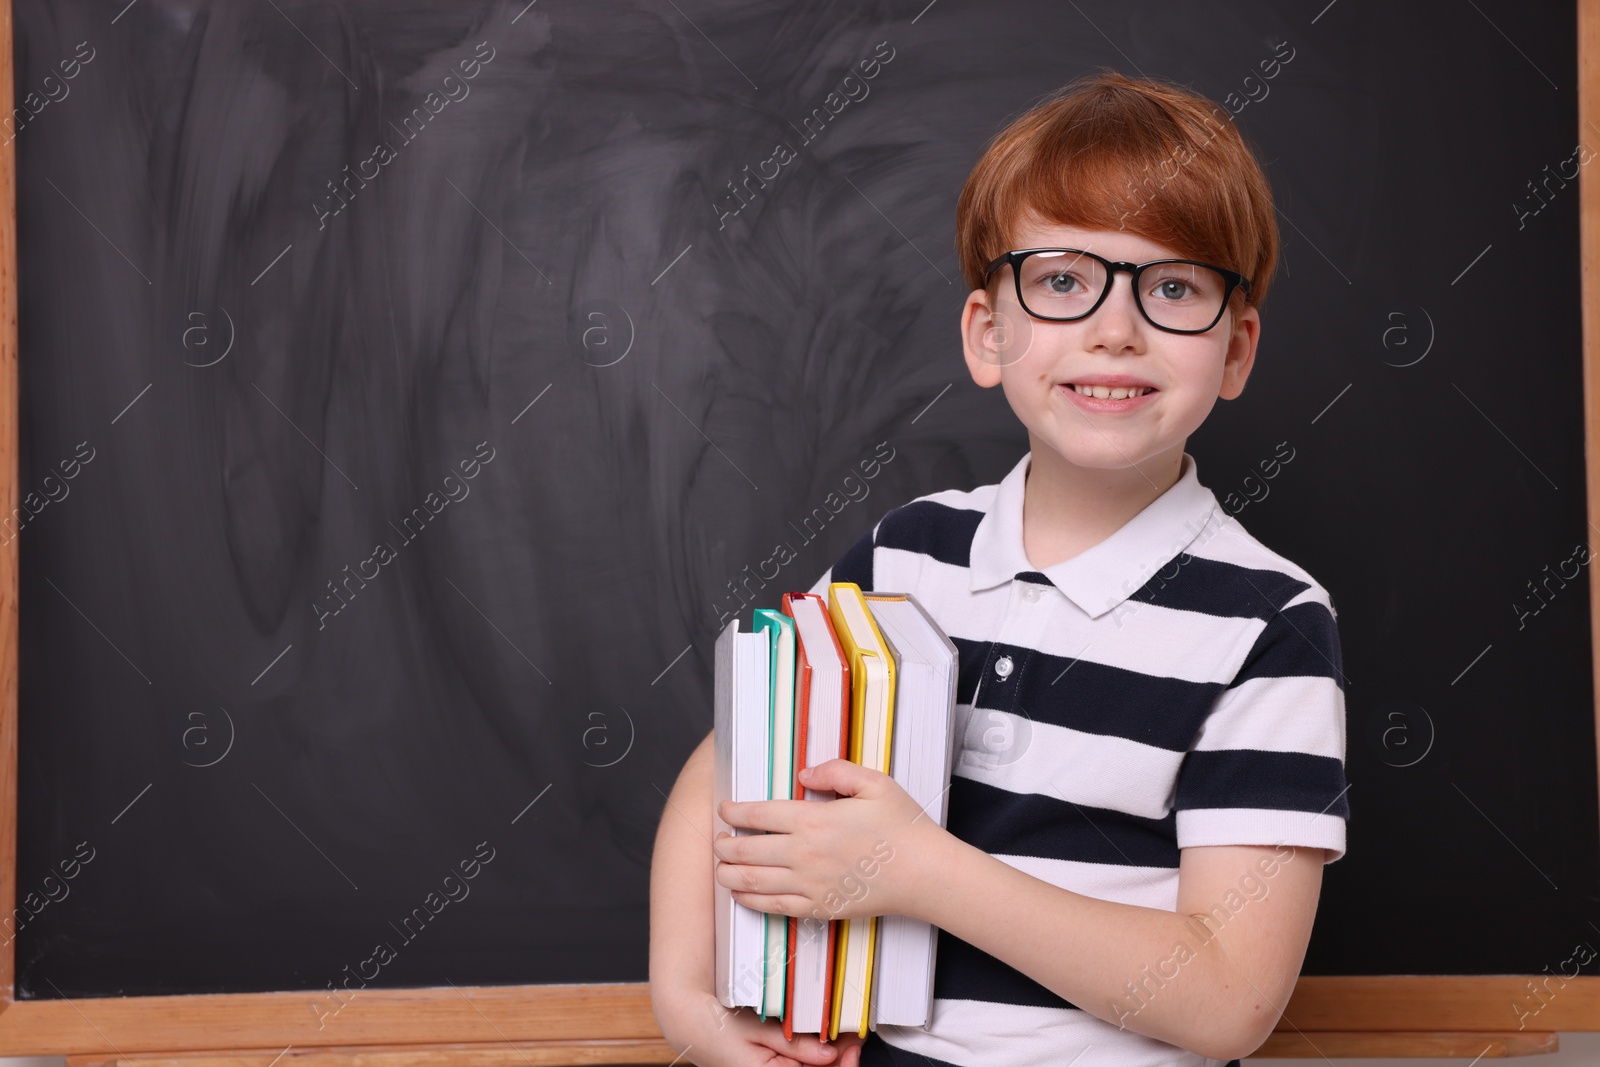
(1267, 766)
(854, 566)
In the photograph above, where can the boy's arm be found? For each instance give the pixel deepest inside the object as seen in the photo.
(1220, 994)
(682, 941)
(681, 907)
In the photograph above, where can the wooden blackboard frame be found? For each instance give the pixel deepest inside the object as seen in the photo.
(1406, 1015)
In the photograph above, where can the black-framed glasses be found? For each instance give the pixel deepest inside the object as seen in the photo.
(1068, 284)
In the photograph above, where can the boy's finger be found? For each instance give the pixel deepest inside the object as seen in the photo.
(850, 1049)
(807, 1048)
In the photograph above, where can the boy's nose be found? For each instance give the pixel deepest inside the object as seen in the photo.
(1118, 315)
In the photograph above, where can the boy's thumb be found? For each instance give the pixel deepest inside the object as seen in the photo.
(836, 774)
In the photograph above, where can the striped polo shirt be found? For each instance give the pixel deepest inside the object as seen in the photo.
(1177, 684)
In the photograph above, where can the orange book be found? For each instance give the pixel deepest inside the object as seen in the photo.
(821, 670)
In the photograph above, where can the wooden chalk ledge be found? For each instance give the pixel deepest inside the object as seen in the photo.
(1282, 1043)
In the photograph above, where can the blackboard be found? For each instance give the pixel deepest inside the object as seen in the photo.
(528, 295)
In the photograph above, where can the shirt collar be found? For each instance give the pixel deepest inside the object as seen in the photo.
(1099, 578)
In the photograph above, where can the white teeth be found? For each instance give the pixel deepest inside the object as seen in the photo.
(1118, 393)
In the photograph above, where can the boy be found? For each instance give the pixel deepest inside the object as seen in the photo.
(1149, 769)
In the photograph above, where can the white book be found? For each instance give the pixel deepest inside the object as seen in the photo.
(743, 696)
(921, 760)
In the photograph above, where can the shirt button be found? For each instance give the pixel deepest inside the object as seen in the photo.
(1002, 667)
(1031, 593)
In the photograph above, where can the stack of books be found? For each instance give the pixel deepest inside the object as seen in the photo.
(867, 677)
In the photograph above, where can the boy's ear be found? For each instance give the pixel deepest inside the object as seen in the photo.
(1241, 355)
(989, 339)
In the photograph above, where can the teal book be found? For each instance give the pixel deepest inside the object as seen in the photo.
(780, 786)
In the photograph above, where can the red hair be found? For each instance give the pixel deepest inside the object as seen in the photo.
(1108, 152)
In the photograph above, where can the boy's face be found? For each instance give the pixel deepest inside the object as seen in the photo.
(1037, 363)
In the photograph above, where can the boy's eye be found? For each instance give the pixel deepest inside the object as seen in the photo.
(1187, 285)
(1062, 283)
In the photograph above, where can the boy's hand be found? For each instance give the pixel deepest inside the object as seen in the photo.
(711, 1035)
(858, 855)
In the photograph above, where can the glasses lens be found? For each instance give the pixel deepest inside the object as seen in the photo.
(1182, 296)
(1066, 284)
(1060, 285)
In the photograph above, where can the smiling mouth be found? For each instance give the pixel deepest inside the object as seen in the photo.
(1109, 392)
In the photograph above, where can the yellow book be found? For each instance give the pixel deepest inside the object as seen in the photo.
(872, 675)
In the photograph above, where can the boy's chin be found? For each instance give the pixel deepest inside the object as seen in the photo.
(1107, 453)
